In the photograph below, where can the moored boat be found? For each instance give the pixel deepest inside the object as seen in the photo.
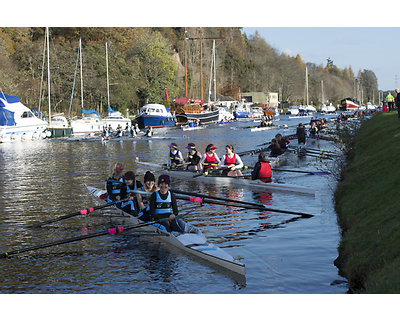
(194, 243)
(155, 115)
(115, 118)
(59, 126)
(187, 110)
(17, 122)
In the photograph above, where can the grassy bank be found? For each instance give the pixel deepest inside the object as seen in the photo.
(368, 207)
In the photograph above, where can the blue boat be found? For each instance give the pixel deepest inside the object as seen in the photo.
(155, 115)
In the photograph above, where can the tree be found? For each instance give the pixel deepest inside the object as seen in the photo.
(369, 82)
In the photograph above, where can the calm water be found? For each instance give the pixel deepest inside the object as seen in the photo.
(44, 179)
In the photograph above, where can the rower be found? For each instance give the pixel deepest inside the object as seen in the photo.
(210, 159)
(175, 157)
(163, 205)
(114, 182)
(301, 134)
(262, 169)
(232, 161)
(127, 189)
(144, 200)
(275, 148)
(149, 132)
(283, 143)
(192, 158)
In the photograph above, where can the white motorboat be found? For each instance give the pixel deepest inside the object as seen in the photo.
(115, 118)
(328, 107)
(17, 122)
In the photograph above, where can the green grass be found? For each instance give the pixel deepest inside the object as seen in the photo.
(368, 207)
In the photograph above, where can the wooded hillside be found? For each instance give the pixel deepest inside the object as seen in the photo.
(145, 61)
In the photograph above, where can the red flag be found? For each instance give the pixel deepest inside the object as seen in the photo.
(166, 95)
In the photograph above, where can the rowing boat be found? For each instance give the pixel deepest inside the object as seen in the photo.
(193, 243)
(262, 128)
(237, 181)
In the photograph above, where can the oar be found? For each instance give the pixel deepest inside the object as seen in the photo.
(320, 173)
(115, 230)
(258, 206)
(81, 212)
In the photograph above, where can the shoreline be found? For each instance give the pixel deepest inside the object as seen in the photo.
(366, 203)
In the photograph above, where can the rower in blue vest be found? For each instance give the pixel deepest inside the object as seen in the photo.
(130, 184)
(114, 183)
(163, 205)
(175, 157)
(144, 200)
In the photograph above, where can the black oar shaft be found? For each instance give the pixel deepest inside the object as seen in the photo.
(199, 197)
(81, 212)
(115, 230)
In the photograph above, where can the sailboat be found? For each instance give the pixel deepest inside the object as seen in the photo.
(90, 121)
(58, 124)
(114, 118)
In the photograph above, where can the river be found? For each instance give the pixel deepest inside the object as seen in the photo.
(283, 254)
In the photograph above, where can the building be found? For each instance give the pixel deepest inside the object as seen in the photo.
(270, 98)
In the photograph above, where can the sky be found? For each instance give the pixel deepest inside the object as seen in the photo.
(371, 48)
(350, 33)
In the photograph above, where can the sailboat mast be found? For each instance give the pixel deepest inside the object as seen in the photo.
(307, 85)
(108, 85)
(80, 56)
(48, 69)
(215, 83)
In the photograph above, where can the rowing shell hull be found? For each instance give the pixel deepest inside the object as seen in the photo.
(242, 182)
(194, 243)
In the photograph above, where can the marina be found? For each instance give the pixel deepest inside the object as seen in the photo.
(282, 253)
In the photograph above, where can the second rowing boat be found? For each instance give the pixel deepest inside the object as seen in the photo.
(237, 181)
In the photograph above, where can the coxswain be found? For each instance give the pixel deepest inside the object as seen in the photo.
(262, 169)
(114, 183)
(209, 159)
(192, 157)
(175, 157)
(144, 200)
(232, 162)
(163, 205)
(127, 190)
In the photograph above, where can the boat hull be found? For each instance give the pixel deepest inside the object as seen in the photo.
(241, 114)
(193, 243)
(241, 182)
(87, 126)
(155, 121)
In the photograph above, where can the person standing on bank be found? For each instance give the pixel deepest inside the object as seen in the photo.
(398, 102)
(390, 101)
(163, 205)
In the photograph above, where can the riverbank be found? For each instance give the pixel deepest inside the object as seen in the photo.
(367, 204)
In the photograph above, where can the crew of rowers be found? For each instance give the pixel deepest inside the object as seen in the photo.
(229, 165)
(133, 130)
(147, 202)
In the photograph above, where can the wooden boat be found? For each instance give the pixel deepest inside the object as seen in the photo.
(193, 243)
(237, 181)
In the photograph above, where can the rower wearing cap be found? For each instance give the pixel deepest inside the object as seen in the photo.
(175, 157)
(210, 159)
(163, 205)
(127, 190)
(232, 162)
(262, 169)
(192, 158)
